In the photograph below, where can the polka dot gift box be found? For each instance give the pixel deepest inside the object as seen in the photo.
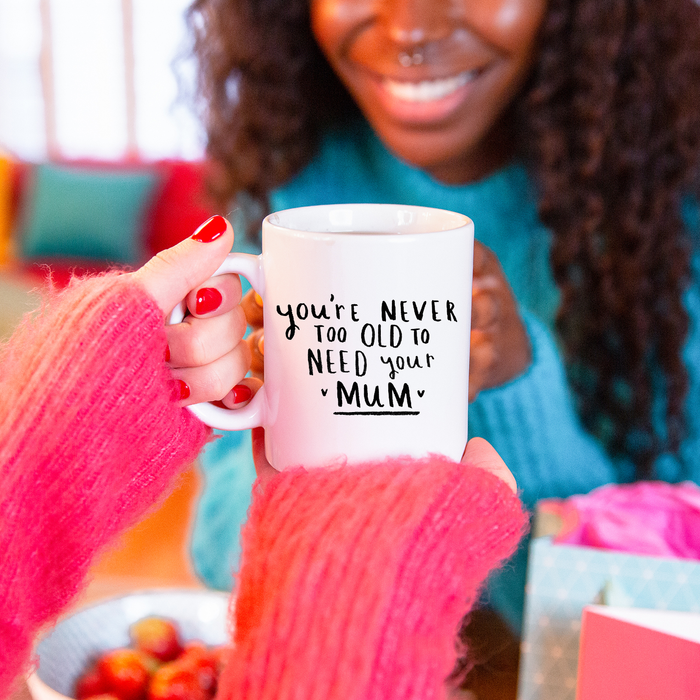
(564, 577)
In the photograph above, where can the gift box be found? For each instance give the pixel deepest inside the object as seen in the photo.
(632, 653)
(562, 579)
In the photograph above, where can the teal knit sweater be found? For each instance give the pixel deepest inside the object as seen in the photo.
(531, 421)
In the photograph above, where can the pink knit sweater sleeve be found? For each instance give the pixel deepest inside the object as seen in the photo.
(90, 438)
(354, 580)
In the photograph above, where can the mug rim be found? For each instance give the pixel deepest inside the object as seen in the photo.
(280, 220)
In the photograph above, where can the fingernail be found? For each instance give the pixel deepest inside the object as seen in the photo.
(167, 353)
(208, 299)
(182, 390)
(241, 393)
(261, 345)
(210, 230)
(258, 299)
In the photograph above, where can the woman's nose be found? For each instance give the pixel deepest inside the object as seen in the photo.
(412, 23)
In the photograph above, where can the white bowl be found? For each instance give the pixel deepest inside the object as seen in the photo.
(79, 639)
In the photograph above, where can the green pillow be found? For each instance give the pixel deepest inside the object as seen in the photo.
(86, 212)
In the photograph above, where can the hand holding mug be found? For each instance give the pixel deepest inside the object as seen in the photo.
(208, 347)
(209, 360)
(499, 346)
(252, 305)
(367, 313)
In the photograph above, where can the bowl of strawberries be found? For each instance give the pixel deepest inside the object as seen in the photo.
(161, 644)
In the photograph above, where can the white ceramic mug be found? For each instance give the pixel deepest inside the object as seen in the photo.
(367, 317)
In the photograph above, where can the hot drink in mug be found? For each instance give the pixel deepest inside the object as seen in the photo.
(367, 315)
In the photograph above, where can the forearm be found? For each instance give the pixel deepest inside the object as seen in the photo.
(354, 581)
(90, 438)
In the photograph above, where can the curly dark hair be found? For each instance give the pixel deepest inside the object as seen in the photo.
(609, 125)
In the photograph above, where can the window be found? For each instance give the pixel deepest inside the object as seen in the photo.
(96, 79)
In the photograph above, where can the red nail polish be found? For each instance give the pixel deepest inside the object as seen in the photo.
(241, 393)
(182, 390)
(167, 353)
(210, 230)
(208, 299)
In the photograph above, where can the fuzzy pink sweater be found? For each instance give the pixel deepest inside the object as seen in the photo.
(89, 440)
(353, 581)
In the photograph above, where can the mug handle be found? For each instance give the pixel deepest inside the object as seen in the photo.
(252, 415)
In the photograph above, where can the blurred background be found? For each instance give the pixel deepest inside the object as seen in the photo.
(101, 165)
(96, 79)
(101, 154)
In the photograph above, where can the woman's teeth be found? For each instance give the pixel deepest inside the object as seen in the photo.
(427, 90)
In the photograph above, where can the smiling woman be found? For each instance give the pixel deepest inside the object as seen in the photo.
(434, 80)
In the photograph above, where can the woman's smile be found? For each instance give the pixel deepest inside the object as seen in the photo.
(427, 90)
(422, 101)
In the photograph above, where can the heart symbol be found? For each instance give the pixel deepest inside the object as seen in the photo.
(324, 391)
(421, 392)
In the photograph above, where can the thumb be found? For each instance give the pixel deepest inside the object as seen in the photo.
(479, 453)
(173, 273)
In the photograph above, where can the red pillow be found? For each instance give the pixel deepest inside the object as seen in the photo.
(180, 205)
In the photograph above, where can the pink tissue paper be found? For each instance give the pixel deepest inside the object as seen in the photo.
(652, 518)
